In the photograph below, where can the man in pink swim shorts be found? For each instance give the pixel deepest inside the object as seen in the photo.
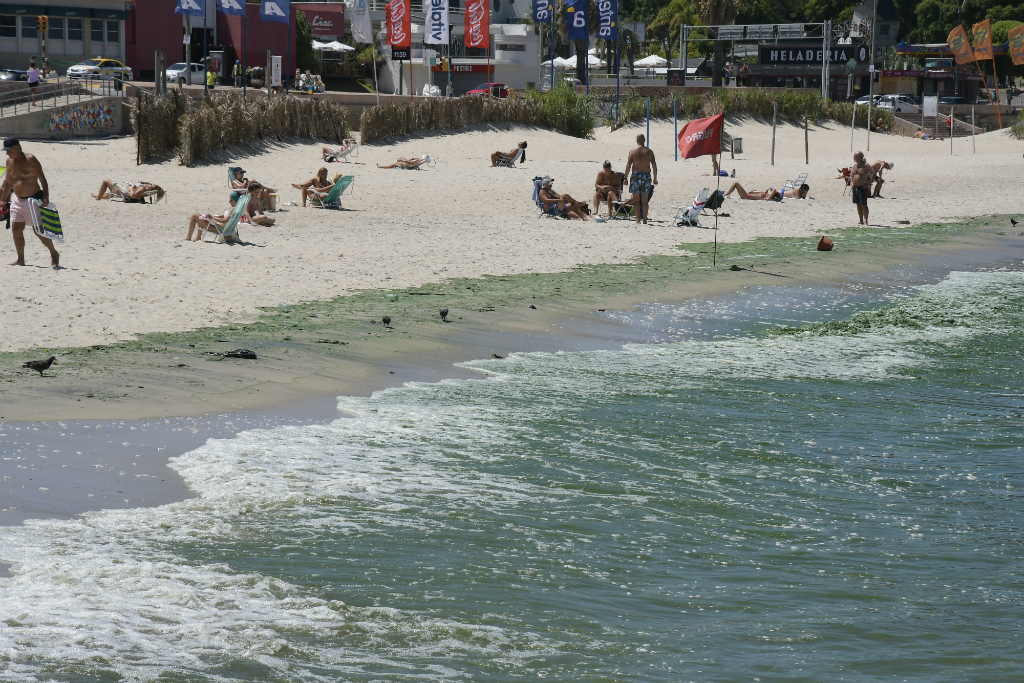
(25, 180)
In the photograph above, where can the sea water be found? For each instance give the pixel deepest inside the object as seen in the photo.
(840, 502)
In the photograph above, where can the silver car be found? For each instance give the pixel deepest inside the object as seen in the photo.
(176, 74)
(897, 103)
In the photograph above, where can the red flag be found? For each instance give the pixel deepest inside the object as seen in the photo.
(701, 136)
(478, 23)
(399, 23)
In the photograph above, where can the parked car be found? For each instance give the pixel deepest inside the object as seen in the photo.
(953, 100)
(176, 74)
(864, 100)
(897, 103)
(499, 90)
(13, 75)
(100, 67)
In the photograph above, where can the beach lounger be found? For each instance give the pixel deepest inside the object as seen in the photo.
(690, 215)
(794, 184)
(509, 162)
(229, 233)
(342, 153)
(551, 211)
(121, 194)
(332, 198)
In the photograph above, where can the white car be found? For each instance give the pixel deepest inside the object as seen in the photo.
(897, 103)
(176, 74)
(102, 68)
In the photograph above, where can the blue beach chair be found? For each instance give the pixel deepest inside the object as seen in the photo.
(552, 210)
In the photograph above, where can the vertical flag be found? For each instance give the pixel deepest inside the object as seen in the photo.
(959, 46)
(435, 32)
(236, 7)
(275, 10)
(478, 24)
(576, 19)
(362, 29)
(542, 11)
(982, 40)
(195, 8)
(1016, 47)
(607, 19)
(399, 23)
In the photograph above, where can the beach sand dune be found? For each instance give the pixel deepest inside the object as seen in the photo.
(127, 270)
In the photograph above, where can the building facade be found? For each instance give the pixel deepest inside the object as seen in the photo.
(78, 30)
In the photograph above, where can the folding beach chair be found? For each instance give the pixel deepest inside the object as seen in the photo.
(45, 220)
(690, 215)
(121, 194)
(229, 233)
(622, 209)
(342, 153)
(510, 162)
(552, 211)
(794, 184)
(332, 198)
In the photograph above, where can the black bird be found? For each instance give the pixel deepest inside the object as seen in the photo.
(533, 307)
(40, 365)
(1013, 222)
(386, 320)
(444, 314)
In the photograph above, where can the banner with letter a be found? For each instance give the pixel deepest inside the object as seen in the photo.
(701, 136)
(399, 23)
(195, 8)
(543, 10)
(435, 30)
(236, 7)
(576, 20)
(478, 23)
(362, 29)
(1016, 44)
(607, 19)
(982, 39)
(276, 10)
(960, 46)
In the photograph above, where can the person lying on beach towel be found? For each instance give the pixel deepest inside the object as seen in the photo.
(555, 203)
(407, 164)
(921, 135)
(204, 220)
(770, 194)
(240, 182)
(518, 154)
(252, 210)
(134, 191)
(319, 182)
(331, 155)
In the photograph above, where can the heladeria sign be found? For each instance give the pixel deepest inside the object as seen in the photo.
(773, 53)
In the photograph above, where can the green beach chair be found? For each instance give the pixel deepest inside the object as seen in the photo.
(229, 233)
(332, 199)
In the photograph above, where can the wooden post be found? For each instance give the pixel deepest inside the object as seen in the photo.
(807, 148)
(266, 76)
(775, 112)
(138, 133)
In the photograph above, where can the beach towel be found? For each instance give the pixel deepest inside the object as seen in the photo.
(48, 222)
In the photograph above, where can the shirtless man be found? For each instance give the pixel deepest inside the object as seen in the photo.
(878, 167)
(641, 162)
(860, 179)
(555, 203)
(23, 181)
(606, 188)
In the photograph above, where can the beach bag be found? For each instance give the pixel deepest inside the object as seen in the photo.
(46, 221)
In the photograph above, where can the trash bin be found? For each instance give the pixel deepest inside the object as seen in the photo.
(737, 145)
(118, 82)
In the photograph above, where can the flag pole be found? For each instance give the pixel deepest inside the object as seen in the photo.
(987, 91)
(995, 79)
(718, 188)
(244, 18)
(675, 125)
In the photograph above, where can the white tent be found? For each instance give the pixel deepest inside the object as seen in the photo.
(653, 60)
(333, 46)
(593, 60)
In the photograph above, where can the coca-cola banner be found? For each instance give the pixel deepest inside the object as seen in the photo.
(399, 23)
(326, 20)
(478, 23)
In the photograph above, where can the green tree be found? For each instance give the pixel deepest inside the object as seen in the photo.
(715, 13)
(305, 56)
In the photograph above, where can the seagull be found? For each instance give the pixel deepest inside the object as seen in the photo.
(1013, 222)
(40, 365)
(444, 314)
(386, 320)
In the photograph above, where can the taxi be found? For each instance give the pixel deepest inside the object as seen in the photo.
(102, 68)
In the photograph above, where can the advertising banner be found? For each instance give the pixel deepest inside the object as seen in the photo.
(362, 29)
(1016, 44)
(236, 7)
(982, 39)
(960, 46)
(576, 19)
(478, 23)
(276, 10)
(325, 19)
(195, 8)
(608, 19)
(399, 24)
(543, 10)
(701, 136)
(435, 30)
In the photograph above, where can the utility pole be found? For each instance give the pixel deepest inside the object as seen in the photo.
(871, 68)
(188, 50)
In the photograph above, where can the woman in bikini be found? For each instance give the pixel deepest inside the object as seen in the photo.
(133, 191)
(407, 164)
(319, 184)
(331, 155)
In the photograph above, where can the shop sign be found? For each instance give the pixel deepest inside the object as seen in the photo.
(467, 68)
(903, 73)
(329, 22)
(809, 54)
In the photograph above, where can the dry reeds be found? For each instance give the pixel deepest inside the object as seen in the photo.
(389, 120)
(196, 128)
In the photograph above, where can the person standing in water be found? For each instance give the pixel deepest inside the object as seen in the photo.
(25, 180)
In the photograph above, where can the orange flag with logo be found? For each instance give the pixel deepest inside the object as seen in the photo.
(1016, 37)
(983, 40)
(960, 46)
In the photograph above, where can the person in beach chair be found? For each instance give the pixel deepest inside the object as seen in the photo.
(129, 193)
(225, 225)
(626, 208)
(332, 198)
(253, 214)
(552, 203)
(408, 164)
(238, 181)
(690, 215)
(607, 188)
(315, 186)
(348, 146)
(509, 160)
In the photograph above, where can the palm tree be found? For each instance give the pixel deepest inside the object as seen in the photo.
(580, 45)
(717, 13)
(673, 15)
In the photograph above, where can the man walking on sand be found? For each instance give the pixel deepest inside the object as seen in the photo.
(641, 182)
(860, 179)
(25, 180)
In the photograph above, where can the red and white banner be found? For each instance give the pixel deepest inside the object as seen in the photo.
(399, 23)
(478, 23)
(701, 136)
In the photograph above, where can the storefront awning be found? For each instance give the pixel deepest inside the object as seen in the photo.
(117, 14)
(55, 11)
(32, 10)
(83, 12)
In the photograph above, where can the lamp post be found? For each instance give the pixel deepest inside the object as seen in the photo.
(956, 67)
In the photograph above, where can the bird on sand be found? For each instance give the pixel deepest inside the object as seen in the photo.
(40, 365)
(444, 314)
(386, 320)
(1013, 222)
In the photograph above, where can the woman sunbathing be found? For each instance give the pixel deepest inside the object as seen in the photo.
(240, 182)
(205, 221)
(407, 164)
(518, 154)
(252, 209)
(136, 191)
(340, 154)
(316, 185)
(769, 194)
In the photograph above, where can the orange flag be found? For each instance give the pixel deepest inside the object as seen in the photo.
(983, 40)
(960, 46)
(1016, 36)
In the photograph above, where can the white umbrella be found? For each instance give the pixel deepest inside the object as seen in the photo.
(653, 60)
(594, 61)
(566, 63)
(340, 47)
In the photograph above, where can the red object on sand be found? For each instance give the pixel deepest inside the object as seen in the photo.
(825, 244)
(701, 136)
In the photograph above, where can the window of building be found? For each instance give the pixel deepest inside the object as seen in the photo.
(512, 48)
(497, 5)
(28, 27)
(8, 27)
(74, 29)
(113, 32)
(96, 30)
(56, 31)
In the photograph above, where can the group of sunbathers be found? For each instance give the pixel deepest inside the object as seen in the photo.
(240, 185)
(332, 154)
